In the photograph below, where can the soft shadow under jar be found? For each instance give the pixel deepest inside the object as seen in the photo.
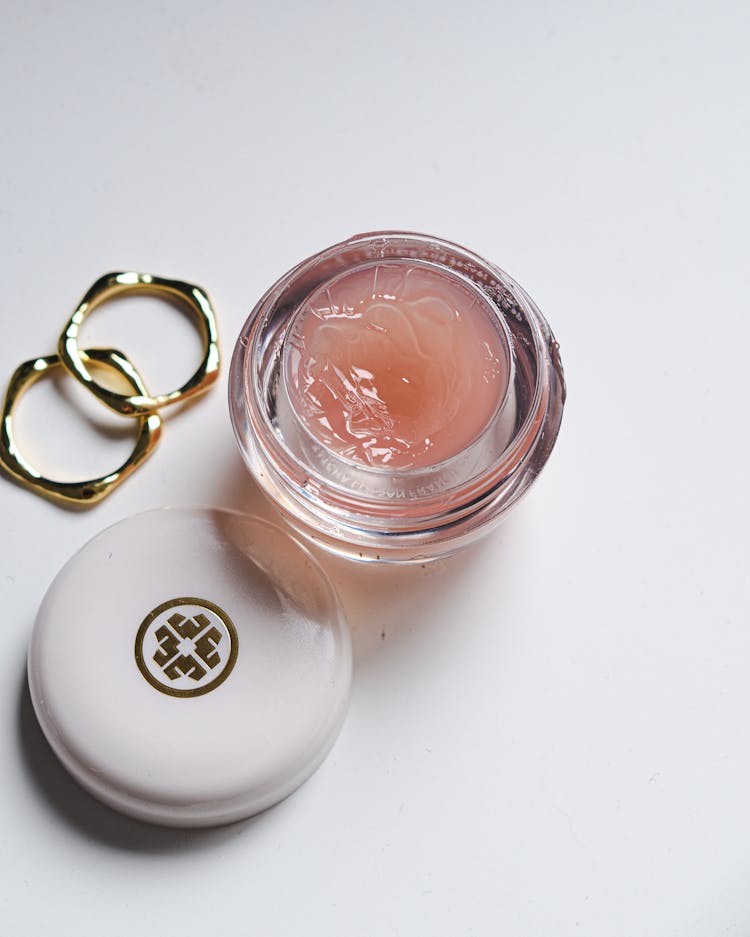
(395, 395)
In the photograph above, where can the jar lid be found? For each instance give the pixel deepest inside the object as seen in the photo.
(190, 667)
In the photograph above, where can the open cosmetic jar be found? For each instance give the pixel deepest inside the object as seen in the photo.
(395, 395)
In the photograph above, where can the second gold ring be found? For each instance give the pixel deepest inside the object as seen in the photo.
(119, 284)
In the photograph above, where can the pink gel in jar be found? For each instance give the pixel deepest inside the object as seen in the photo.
(395, 395)
(394, 365)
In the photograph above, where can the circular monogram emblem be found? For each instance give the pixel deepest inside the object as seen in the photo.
(186, 647)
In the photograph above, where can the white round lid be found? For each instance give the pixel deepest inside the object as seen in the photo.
(190, 667)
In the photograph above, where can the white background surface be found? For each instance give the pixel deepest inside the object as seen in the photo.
(548, 735)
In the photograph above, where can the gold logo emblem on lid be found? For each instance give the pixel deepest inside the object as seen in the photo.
(186, 647)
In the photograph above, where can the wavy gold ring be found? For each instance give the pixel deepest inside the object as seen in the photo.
(119, 284)
(85, 492)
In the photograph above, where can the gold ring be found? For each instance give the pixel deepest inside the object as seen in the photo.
(85, 492)
(119, 284)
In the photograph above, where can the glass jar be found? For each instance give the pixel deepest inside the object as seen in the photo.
(399, 511)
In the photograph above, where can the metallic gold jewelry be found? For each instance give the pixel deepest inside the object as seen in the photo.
(119, 284)
(85, 492)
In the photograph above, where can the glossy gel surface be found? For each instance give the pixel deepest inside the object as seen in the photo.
(396, 365)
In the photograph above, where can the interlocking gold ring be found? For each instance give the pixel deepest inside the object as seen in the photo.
(119, 284)
(85, 492)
